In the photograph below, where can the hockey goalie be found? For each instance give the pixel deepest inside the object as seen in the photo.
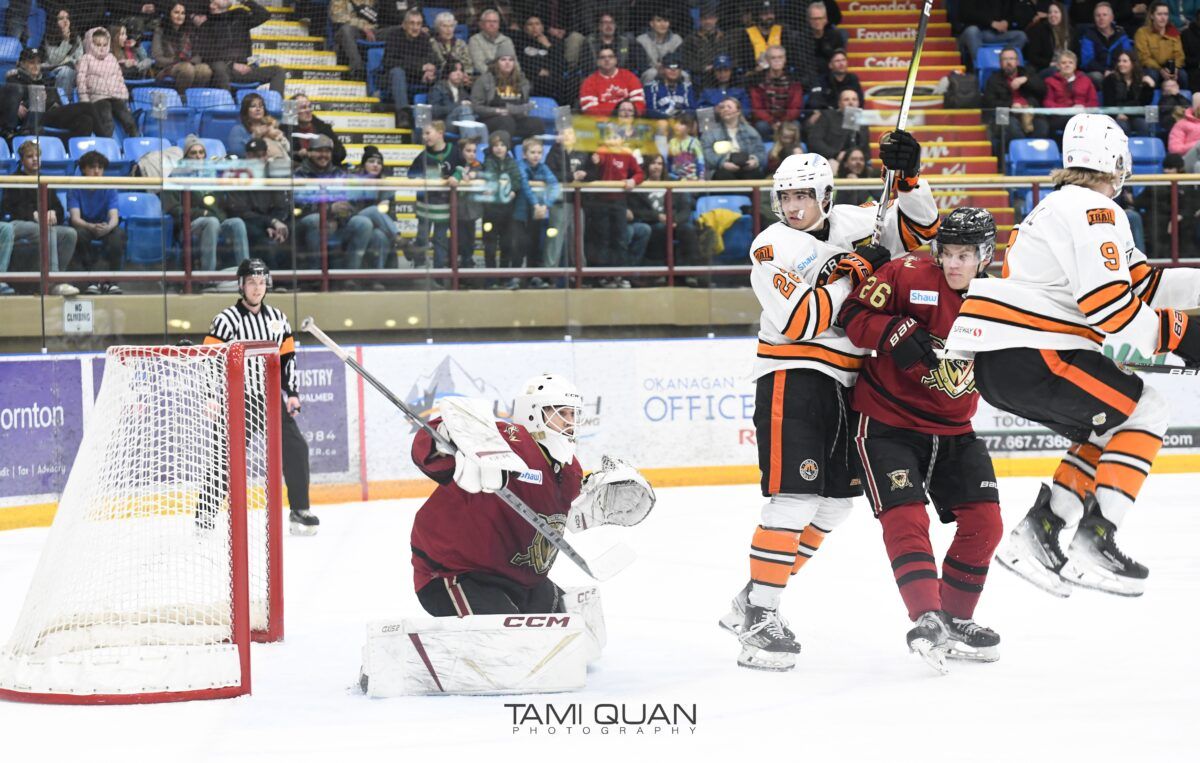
(500, 625)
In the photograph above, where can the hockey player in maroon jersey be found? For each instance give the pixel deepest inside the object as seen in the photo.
(472, 553)
(915, 438)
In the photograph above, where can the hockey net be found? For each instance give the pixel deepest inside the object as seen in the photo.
(164, 557)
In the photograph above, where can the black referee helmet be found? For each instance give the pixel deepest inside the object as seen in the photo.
(252, 267)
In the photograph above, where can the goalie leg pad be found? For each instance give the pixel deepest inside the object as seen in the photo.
(481, 654)
(584, 601)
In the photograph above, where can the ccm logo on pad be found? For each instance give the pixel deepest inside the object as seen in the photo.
(537, 621)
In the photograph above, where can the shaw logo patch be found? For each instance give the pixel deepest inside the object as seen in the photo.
(1101, 216)
(809, 470)
(919, 297)
(532, 476)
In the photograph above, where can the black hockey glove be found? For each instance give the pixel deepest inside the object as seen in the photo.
(900, 151)
(1179, 334)
(908, 343)
(861, 263)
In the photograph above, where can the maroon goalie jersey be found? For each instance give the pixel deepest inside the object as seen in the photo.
(456, 531)
(941, 400)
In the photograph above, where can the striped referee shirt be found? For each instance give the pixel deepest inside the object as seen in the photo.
(237, 322)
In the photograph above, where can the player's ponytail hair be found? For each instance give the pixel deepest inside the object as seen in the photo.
(1083, 177)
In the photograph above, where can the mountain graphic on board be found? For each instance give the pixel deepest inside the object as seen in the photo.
(450, 378)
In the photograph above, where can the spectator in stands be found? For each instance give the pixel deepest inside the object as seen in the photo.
(778, 97)
(1013, 86)
(20, 205)
(826, 39)
(1159, 49)
(95, 217)
(309, 126)
(541, 58)
(987, 23)
(16, 107)
(569, 166)
(450, 100)
(1126, 87)
(433, 165)
(684, 150)
(139, 14)
(609, 85)
(606, 231)
(1048, 37)
(62, 48)
(1185, 135)
(266, 212)
(375, 206)
(446, 46)
(721, 85)
(502, 177)
(763, 33)
(648, 208)
(175, 52)
(210, 220)
(1189, 35)
(630, 55)
(1128, 13)
(407, 58)
(224, 43)
(855, 165)
(1068, 88)
(354, 21)
(130, 55)
(1100, 42)
(733, 150)
(1171, 106)
(255, 122)
(531, 212)
(1154, 202)
(823, 95)
(100, 83)
(670, 94)
(701, 47)
(501, 99)
(489, 43)
(6, 248)
(468, 171)
(657, 42)
(786, 143)
(341, 214)
(566, 21)
(830, 138)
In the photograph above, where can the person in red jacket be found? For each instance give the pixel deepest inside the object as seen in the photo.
(607, 214)
(1067, 88)
(916, 441)
(600, 93)
(778, 97)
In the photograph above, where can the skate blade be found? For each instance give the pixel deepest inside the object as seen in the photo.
(1099, 579)
(934, 656)
(775, 662)
(967, 654)
(1015, 556)
(298, 529)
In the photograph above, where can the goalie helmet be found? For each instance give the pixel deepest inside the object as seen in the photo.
(967, 225)
(549, 407)
(1095, 142)
(252, 267)
(804, 172)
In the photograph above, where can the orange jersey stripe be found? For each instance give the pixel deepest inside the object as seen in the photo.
(1102, 297)
(1088, 383)
(991, 310)
(813, 352)
(776, 461)
(1121, 318)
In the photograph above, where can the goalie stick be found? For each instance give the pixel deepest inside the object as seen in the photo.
(601, 568)
(889, 178)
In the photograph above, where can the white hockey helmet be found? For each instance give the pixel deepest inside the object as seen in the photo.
(549, 407)
(804, 172)
(1095, 142)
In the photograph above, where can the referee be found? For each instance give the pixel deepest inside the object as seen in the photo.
(250, 318)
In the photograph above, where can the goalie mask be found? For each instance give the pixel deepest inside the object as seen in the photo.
(549, 407)
(971, 226)
(804, 172)
(253, 267)
(1095, 142)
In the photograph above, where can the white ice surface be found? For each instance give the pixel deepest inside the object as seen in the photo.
(1092, 678)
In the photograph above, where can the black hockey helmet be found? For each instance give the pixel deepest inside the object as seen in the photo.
(253, 267)
(968, 225)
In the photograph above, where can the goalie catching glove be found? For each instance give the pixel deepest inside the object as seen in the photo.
(615, 494)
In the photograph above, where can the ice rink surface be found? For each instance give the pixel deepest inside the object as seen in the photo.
(1090, 678)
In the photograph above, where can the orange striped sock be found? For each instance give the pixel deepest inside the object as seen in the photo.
(772, 555)
(1124, 466)
(810, 540)
(1077, 471)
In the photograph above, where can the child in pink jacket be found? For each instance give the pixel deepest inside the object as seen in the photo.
(99, 81)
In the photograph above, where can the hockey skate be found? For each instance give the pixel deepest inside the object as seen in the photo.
(929, 640)
(1095, 561)
(767, 644)
(969, 641)
(1032, 550)
(733, 619)
(304, 522)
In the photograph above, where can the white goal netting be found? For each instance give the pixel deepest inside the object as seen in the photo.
(138, 584)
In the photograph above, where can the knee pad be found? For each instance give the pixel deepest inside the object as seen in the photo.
(1152, 413)
(831, 512)
(790, 511)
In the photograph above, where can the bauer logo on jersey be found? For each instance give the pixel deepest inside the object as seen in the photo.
(919, 297)
(809, 469)
(1101, 216)
(764, 253)
(900, 479)
(532, 476)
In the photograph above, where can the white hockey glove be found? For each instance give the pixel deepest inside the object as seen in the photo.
(444, 432)
(474, 476)
(615, 494)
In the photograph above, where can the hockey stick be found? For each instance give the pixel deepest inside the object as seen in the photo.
(1141, 368)
(602, 567)
(889, 178)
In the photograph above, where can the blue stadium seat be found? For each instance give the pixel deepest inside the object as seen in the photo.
(374, 69)
(6, 157)
(54, 155)
(543, 109)
(462, 32)
(987, 60)
(36, 28)
(10, 52)
(206, 98)
(148, 232)
(117, 163)
(1033, 156)
(217, 124)
(1148, 155)
(420, 99)
(272, 100)
(431, 14)
(136, 148)
(721, 201)
(214, 147)
(176, 123)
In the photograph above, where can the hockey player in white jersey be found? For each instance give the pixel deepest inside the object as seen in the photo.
(803, 267)
(1073, 280)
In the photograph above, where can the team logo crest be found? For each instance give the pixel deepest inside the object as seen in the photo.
(953, 377)
(540, 554)
(809, 470)
(900, 479)
(511, 432)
